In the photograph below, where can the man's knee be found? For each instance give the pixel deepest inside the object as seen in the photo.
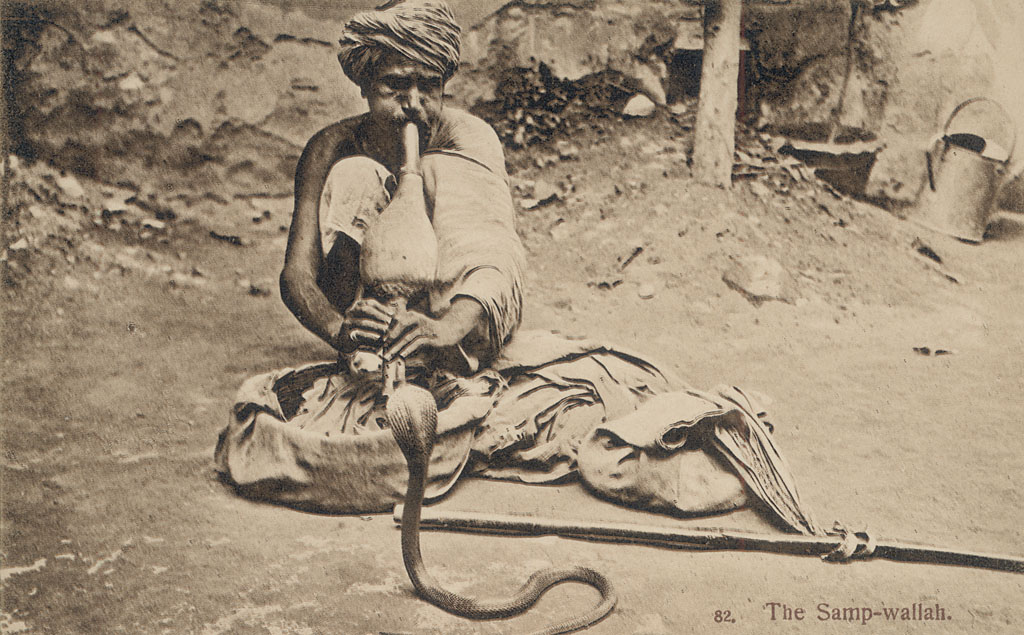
(356, 179)
(354, 193)
(358, 168)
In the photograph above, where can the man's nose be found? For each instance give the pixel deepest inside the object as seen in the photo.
(412, 102)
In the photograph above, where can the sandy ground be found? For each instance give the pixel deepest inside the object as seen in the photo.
(116, 386)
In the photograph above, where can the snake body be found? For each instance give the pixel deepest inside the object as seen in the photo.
(412, 415)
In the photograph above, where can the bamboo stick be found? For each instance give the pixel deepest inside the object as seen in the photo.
(705, 538)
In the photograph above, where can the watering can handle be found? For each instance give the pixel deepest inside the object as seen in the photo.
(929, 158)
(1013, 127)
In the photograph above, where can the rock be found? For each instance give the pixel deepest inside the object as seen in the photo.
(645, 291)
(20, 244)
(652, 147)
(70, 186)
(115, 204)
(567, 151)
(545, 192)
(759, 279)
(760, 190)
(650, 77)
(131, 82)
(639, 106)
(545, 160)
(524, 187)
(528, 203)
(561, 231)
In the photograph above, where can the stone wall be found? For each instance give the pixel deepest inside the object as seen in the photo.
(575, 38)
(198, 99)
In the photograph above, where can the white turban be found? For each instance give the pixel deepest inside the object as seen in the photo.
(421, 31)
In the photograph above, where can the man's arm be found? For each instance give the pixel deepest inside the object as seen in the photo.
(304, 257)
(474, 219)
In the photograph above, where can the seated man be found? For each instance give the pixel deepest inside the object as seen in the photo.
(524, 406)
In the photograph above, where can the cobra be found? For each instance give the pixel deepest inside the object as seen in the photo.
(411, 412)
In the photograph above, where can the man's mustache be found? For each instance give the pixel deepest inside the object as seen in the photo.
(418, 118)
(423, 126)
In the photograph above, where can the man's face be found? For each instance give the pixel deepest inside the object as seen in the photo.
(403, 90)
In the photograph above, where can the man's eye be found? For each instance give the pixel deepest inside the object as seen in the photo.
(430, 85)
(398, 83)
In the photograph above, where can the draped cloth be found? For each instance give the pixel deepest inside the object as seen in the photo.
(313, 437)
(424, 32)
(548, 410)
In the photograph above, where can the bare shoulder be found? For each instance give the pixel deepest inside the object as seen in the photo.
(336, 140)
(466, 134)
(467, 123)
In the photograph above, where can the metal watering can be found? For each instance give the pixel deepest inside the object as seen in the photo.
(965, 171)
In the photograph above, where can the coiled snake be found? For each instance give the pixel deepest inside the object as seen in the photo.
(412, 415)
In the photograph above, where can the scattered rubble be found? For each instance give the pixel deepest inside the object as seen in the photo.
(66, 228)
(639, 106)
(545, 192)
(759, 279)
(532, 106)
(567, 151)
(231, 239)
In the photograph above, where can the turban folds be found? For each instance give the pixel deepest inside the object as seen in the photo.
(424, 32)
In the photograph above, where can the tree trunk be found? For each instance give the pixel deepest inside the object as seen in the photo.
(715, 137)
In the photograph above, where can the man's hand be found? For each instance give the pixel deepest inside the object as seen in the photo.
(411, 330)
(366, 322)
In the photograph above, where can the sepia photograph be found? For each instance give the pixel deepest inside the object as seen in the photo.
(413, 317)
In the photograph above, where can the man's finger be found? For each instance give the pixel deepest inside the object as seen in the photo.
(398, 328)
(372, 309)
(360, 335)
(406, 345)
(366, 324)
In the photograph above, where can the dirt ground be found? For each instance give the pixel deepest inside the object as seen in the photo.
(116, 383)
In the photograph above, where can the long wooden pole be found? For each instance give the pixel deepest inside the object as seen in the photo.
(706, 539)
(715, 135)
